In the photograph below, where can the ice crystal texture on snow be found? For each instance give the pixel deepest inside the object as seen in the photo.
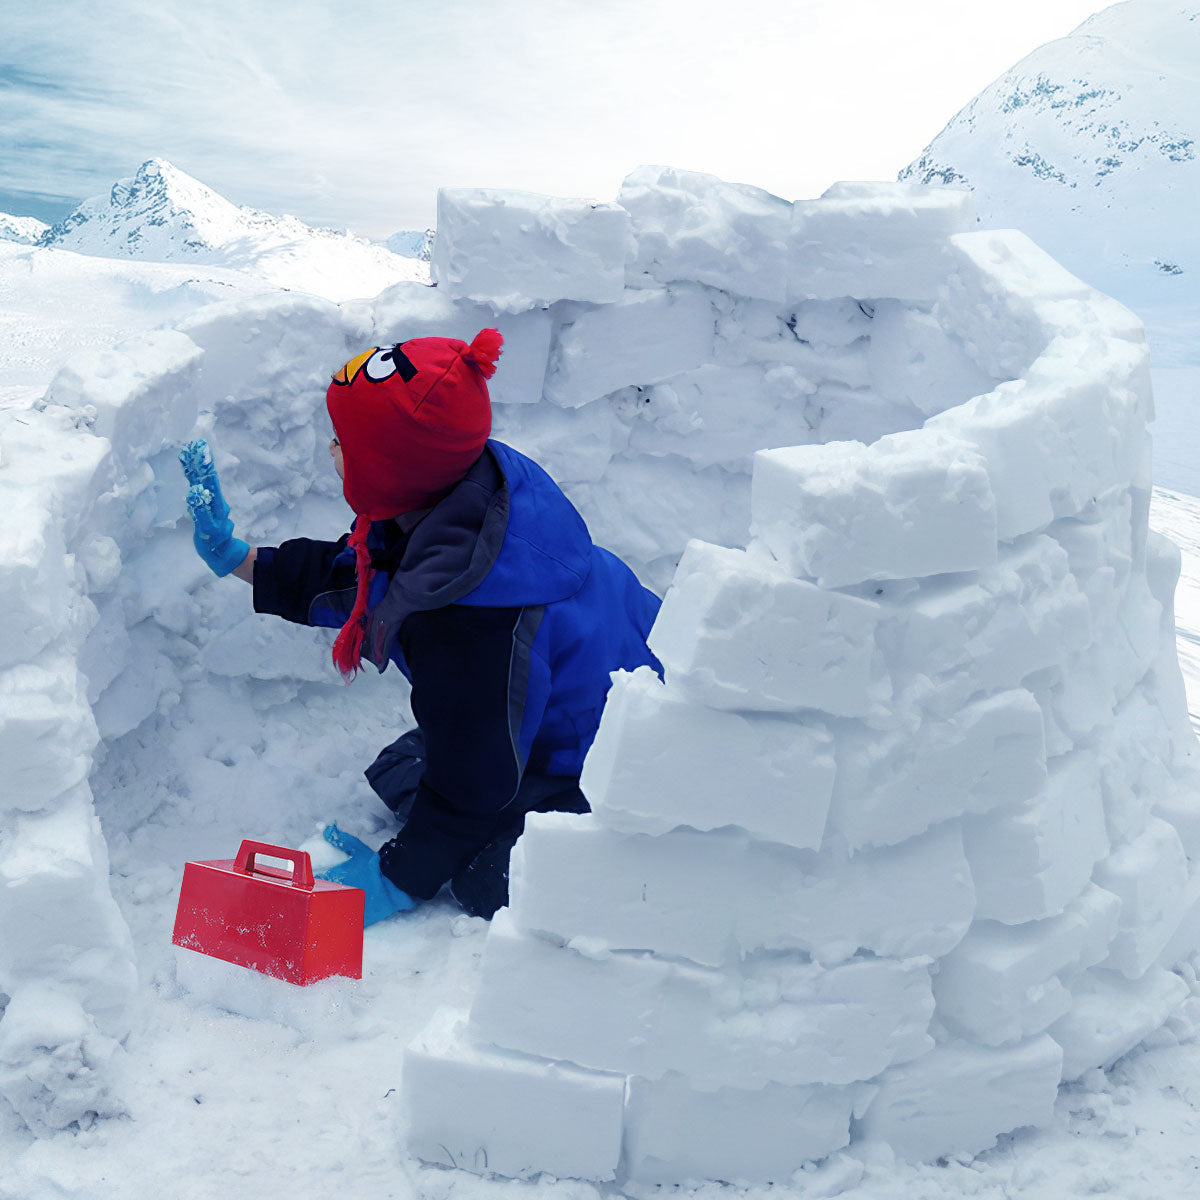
(906, 835)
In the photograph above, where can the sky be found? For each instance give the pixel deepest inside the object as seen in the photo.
(353, 113)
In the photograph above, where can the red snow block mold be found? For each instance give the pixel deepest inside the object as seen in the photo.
(285, 924)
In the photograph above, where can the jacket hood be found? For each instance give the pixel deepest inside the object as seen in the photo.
(505, 536)
(546, 554)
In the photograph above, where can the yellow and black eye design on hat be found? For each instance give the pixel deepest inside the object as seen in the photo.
(377, 365)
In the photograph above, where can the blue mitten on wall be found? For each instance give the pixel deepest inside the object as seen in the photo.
(361, 870)
(213, 536)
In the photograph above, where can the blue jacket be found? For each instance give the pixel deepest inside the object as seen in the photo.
(508, 622)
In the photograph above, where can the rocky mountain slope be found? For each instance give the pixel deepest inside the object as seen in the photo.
(1089, 144)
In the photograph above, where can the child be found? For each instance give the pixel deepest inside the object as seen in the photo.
(469, 569)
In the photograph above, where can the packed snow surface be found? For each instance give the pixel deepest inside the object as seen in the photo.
(968, 749)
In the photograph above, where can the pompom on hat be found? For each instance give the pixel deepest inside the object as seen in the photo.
(411, 419)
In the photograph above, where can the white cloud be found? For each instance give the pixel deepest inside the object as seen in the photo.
(356, 113)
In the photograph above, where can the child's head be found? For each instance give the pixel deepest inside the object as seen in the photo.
(411, 419)
(408, 422)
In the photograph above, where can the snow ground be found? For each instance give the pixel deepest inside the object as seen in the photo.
(56, 304)
(207, 1100)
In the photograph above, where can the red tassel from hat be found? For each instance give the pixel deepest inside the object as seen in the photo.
(484, 352)
(347, 648)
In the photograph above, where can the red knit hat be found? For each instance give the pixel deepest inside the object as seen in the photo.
(411, 419)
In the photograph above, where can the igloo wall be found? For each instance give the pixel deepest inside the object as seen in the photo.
(962, 608)
(906, 837)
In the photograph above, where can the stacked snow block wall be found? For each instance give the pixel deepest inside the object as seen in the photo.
(67, 975)
(110, 617)
(847, 862)
(910, 831)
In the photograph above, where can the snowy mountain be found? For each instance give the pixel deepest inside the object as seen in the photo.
(1089, 145)
(26, 230)
(162, 214)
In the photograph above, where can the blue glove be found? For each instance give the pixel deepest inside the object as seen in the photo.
(213, 536)
(361, 870)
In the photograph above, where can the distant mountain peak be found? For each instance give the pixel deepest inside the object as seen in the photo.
(416, 244)
(160, 213)
(26, 230)
(163, 214)
(157, 179)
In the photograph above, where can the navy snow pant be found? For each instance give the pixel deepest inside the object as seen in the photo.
(481, 887)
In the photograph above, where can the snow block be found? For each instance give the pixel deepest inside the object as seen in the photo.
(913, 361)
(718, 897)
(688, 225)
(675, 1134)
(1081, 435)
(54, 462)
(474, 1106)
(1099, 547)
(61, 924)
(282, 348)
(954, 637)
(574, 445)
(1002, 983)
(1070, 425)
(766, 1020)
(1186, 940)
(142, 394)
(736, 632)
(959, 1098)
(53, 1060)
(1110, 1015)
(875, 240)
(890, 786)
(996, 296)
(266, 369)
(661, 760)
(1029, 862)
(34, 578)
(310, 1009)
(644, 337)
(518, 250)
(1079, 697)
(725, 412)
(909, 505)
(148, 679)
(47, 733)
(1178, 806)
(1150, 875)
(688, 503)
(414, 310)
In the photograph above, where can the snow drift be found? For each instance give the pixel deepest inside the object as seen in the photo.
(907, 834)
